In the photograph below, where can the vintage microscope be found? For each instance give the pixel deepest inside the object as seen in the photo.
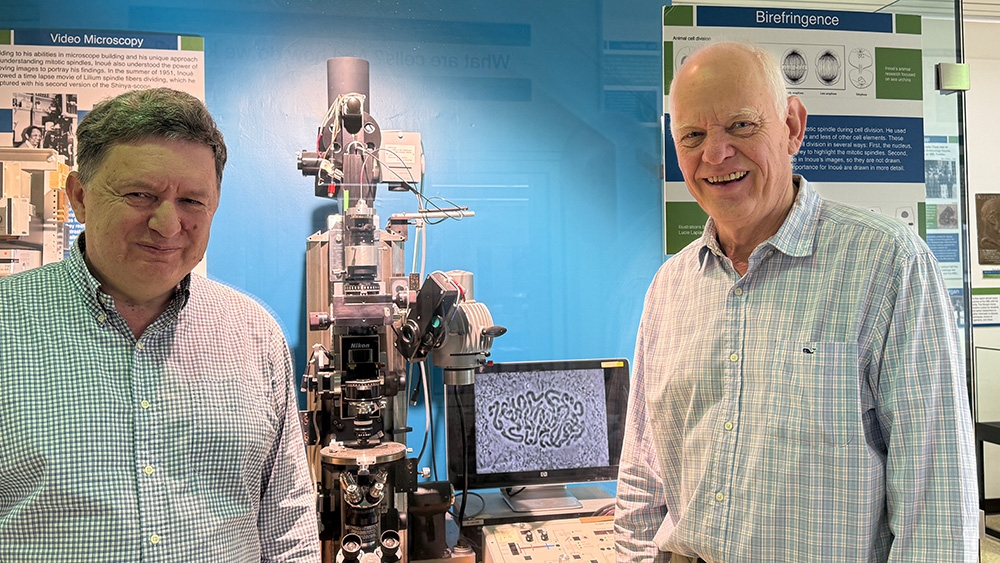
(367, 321)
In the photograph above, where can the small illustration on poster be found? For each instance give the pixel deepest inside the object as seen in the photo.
(941, 179)
(45, 121)
(988, 228)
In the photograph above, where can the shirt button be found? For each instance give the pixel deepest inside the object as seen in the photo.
(144, 404)
(720, 497)
(728, 426)
(734, 357)
(154, 539)
(140, 345)
(148, 470)
(101, 318)
(738, 291)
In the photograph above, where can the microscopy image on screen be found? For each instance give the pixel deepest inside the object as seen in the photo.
(534, 421)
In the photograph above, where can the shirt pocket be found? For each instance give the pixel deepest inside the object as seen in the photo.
(815, 397)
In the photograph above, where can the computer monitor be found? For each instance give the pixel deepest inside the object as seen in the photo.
(530, 428)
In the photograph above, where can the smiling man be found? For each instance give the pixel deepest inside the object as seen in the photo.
(146, 413)
(31, 138)
(799, 390)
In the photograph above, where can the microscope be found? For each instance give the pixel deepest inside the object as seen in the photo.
(369, 320)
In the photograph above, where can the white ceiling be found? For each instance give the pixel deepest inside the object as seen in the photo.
(972, 9)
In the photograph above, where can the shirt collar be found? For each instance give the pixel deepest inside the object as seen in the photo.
(91, 287)
(796, 235)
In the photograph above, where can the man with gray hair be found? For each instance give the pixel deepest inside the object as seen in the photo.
(799, 389)
(146, 413)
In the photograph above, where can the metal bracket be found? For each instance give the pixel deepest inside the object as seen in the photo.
(951, 77)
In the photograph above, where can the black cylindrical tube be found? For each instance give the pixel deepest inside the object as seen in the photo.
(345, 75)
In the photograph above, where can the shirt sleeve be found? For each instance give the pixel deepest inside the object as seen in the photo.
(640, 507)
(923, 408)
(287, 523)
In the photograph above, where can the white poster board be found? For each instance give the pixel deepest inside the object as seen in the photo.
(51, 78)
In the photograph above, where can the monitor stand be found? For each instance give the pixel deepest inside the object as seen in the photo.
(540, 497)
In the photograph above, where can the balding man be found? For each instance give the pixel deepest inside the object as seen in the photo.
(799, 390)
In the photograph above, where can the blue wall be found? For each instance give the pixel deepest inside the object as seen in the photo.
(534, 114)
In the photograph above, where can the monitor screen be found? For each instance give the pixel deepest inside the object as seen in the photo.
(537, 423)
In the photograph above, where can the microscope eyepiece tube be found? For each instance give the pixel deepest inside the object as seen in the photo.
(345, 75)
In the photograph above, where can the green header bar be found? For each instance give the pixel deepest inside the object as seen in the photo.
(678, 15)
(192, 43)
(906, 23)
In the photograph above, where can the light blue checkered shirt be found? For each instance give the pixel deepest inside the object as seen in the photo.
(181, 446)
(813, 410)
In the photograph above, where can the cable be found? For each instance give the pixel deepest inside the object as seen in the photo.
(332, 113)
(416, 243)
(407, 184)
(413, 394)
(420, 247)
(421, 198)
(427, 413)
(482, 501)
(363, 181)
(423, 250)
(430, 418)
(515, 493)
(606, 510)
(465, 460)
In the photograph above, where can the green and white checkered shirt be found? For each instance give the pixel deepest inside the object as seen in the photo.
(812, 410)
(182, 445)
